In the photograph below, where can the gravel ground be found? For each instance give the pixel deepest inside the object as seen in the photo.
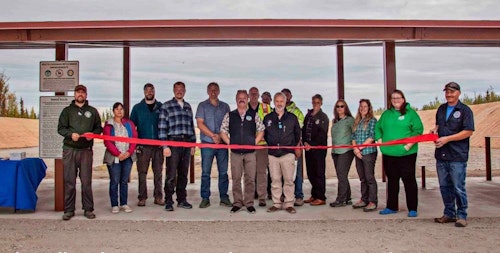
(257, 236)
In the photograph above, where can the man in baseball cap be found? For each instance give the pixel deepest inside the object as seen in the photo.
(451, 86)
(81, 87)
(454, 126)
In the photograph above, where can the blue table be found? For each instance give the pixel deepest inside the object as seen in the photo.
(19, 181)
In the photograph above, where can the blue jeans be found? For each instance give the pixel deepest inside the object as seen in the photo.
(118, 177)
(299, 179)
(452, 185)
(207, 157)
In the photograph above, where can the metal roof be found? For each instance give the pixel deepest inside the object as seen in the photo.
(248, 32)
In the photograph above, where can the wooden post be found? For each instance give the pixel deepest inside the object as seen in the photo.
(487, 148)
(126, 81)
(340, 72)
(389, 77)
(191, 170)
(423, 177)
(61, 55)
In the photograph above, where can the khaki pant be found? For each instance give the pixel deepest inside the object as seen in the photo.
(243, 165)
(261, 175)
(279, 167)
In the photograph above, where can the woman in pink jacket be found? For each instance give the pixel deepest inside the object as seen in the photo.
(118, 157)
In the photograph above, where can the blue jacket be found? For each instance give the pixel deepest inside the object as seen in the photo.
(145, 120)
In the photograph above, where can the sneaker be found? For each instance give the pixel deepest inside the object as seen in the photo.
(68, 215)
(142, 202)
(338, 204)
(370, 207)
(89, 214)
(226, 202)
(169, 206)
(158, 201)
(348, 202)
(115, 209)
(387, 211)
(444, 219)
(235, 209)
(273, 209)
(412, 214)
(126, 209)
(290, 210)
(205, 203)
(251, 209)
(359, 204)
(298, 202)
(262, 202)
(461, 223)
(184, 204)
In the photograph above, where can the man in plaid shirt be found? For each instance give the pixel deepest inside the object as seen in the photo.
(176, 124)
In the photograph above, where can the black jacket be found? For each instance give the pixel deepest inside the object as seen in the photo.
(317, 135)
(74, 119)
(281, 132)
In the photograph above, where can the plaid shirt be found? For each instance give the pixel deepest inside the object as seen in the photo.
(361, 134)
(176, 120)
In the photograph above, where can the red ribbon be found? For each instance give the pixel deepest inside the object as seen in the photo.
(414, 139)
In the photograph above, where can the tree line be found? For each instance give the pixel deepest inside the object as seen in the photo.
(9, 106)
(488, 97)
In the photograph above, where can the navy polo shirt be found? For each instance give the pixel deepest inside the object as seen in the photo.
(461, 118)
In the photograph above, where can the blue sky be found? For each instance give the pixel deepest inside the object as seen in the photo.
(421, 72)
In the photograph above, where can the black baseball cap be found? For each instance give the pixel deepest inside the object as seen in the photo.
(452, 86)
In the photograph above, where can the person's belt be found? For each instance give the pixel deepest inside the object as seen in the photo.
(179, 137)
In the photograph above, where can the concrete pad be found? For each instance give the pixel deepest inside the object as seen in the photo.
(482, 195)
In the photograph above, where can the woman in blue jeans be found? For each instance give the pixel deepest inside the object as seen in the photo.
(118, 157)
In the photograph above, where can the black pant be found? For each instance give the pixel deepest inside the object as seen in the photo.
(342, 163)
(77, 162)
(177, 171)
(315, 166)
(401, 167)
(146, 153)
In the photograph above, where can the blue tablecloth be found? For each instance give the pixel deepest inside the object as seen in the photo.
(19, 181)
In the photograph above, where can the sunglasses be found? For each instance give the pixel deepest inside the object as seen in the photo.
(339, 106)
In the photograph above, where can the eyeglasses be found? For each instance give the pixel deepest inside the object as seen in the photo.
(339, 106)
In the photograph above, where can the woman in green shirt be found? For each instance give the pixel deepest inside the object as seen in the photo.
(397, 122)
(342, 157)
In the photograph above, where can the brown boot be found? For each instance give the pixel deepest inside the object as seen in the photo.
(159, 201)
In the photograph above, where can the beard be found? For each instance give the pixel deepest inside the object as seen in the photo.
(80, 99)
(279, 108)
(150, 97)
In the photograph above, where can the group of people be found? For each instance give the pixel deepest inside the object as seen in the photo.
(265, 172)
